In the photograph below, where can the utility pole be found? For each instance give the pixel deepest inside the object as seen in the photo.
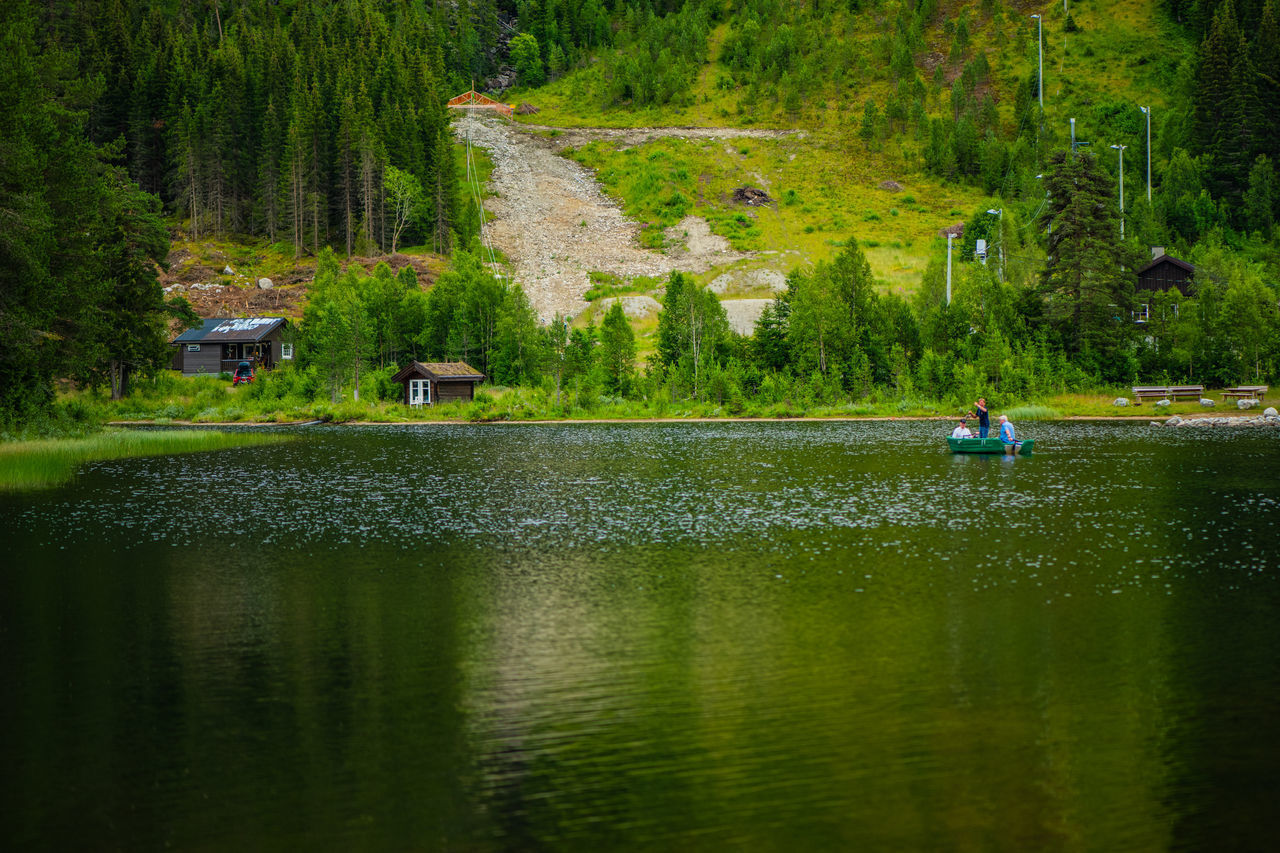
(950, 236)
(1120, 149)
(1000, 214)
(1147, 111)
(1040, 58)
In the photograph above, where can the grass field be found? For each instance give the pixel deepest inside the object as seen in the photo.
(52, 462)
(822, 196)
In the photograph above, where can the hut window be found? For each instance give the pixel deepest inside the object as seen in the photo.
(419, 392)
(1143, 314)
(286, 350)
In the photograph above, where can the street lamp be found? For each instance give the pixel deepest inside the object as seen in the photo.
(1147, 111)
(1040, 57)
(1000, 214)
(1048, 230)
(1120, 149)
(950, 236)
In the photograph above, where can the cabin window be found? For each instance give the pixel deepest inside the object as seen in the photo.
(193, 348)
(1143, 314)
(286, 350)
(419, 392)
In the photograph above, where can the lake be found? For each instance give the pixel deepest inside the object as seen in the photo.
(765, 636)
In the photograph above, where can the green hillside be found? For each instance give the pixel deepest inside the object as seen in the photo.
(301, 137)
(1116, 58)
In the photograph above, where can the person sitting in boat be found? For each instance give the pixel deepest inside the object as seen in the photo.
(1006, 430)
(961, 430)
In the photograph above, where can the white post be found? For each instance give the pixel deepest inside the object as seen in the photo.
(1147, 110)
(1120, 149)
(1040, 58)
(949, 237)
(1000, 234)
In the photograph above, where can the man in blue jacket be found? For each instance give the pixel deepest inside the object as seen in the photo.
(1006, 432)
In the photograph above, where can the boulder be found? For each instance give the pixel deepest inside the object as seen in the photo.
(265, 284)
(1270, 412)
(1206, 402)
(1246, 404)
(751, 196)
(1121, 401)
(1156, 423)
(1163, 403)
(633, 307)
(1173, 421)
(227, 270)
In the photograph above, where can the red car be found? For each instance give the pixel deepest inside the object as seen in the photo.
(244, 373)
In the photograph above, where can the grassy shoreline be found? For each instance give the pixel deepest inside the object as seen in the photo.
(44, 463)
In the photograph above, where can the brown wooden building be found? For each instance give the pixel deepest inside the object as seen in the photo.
(1165, 272)
(426, 384)
(221, 343)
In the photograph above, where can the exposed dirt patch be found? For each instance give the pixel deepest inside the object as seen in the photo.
(553, 222)
(213, 293)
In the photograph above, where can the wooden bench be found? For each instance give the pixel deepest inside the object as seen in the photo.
(1246, 392)
(1170, 392)
(1150, 392)
(1186, 392)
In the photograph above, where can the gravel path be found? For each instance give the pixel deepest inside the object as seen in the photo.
(555, 225)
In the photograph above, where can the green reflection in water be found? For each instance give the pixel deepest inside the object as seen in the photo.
(754, 635)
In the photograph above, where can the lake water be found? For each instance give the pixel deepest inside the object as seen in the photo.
(764, 636)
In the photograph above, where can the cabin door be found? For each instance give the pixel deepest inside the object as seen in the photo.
(419, 392)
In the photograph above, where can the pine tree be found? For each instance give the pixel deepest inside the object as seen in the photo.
(1088, 278)
(617, 350)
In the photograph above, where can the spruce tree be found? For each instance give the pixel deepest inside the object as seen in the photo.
(1089, 274)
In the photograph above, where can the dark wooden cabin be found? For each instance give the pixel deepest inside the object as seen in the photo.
(426, 384)
(221, 343)
(1165, 272)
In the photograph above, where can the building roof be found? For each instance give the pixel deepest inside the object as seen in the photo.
(1168, 259)
(438, 370)
(229, 330)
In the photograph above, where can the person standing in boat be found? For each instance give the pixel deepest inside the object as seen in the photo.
(984, 419)
(961, 430)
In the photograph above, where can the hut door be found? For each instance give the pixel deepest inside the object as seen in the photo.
(419, 392)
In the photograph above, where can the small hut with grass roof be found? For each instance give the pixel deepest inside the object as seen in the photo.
(428, 383)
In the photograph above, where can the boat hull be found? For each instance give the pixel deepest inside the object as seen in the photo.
(988, 445)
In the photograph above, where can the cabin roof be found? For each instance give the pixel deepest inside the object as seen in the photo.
(438, 370)
(227, 330)
(1168, 259)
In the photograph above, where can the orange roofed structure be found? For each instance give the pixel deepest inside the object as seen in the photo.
(473, 100)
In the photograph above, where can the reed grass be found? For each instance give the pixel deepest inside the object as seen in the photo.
(1032, 413)
(46, 463)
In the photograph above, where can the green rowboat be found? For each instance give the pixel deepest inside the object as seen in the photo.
(988, 445)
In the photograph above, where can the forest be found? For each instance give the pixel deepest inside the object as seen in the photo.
(320, 128)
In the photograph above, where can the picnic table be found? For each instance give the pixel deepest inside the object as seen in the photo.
(1169, 392)
(1246, 392)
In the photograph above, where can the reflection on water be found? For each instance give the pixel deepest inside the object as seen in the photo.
(691, 635)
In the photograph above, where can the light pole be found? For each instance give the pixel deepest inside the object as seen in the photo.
(999, 213)
(1147, 111)
(1120, 149)
(1040, 58)
(950, 236)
